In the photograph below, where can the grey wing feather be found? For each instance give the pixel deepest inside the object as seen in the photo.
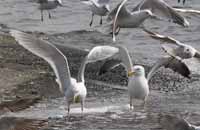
(160, 7)
(172, 63)
(123, 12)
(49, 53)
(108, 65)
(170, 122)
(103, 1)
(197, 54)
(162, 37)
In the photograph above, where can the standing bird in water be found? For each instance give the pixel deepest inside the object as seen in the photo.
(74, 90)
(48, 5)
(138, 84)
(98, 7)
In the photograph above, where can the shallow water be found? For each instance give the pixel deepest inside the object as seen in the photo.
(70, 28)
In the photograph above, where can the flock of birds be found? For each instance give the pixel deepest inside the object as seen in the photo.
(74, 90)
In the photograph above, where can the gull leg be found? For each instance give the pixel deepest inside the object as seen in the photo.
(49, 14)
(131, 103)
(178, 1)
(101, 21)
(144, 102)
(82, 106)
(41, 15)
(91, 20)
(184, 1)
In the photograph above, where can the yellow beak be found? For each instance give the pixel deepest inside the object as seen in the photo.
(130, 73)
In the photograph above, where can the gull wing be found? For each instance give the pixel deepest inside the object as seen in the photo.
(49, 53)
(163, 38)
(122, 57)
(197, 55)
(97, 53)
(101, 53)
(162, 9)
(170, 122)
(191, 11)
(123, 12)
(172, 63)
(14, 123)
(103, 2)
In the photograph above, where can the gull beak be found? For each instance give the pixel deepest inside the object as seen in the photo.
(77, 99)
(130, 73)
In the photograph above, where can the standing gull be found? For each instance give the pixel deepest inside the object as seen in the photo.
(48, 5)
(170, 122)
(73, 90)
(138, 87)
(123, 18)
(98, 7)
(179, 1)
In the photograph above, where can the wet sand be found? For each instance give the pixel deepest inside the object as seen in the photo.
(25, 75)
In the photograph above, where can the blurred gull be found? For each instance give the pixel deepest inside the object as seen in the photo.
(138, 87)
(182, 50)
(179, 1)
(158, 9)
(98, 7)
(73, 90)
(48, 5)
(170, 122)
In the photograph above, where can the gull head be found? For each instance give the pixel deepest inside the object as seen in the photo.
(59, 2)
(107, 8)
(187, 51)
(147, 12)
(138, 70)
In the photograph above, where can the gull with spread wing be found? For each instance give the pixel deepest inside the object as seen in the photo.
(73, 90)
(98, 7)
(182, 50)
(158, 9)
(170, 122)
(48, 5)
(138, 87)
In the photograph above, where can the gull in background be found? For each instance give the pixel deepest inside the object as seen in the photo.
(73, 90)
(170, 122)
(98, 7)
(158, 9)
(179, 1)
(48, 5)
(138, 87)
(182, 50)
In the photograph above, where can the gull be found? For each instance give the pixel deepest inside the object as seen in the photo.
(170, 122)
(14, 123)
(98, 7)
(138, 84)
(123, 18)
(179, 1)
(48, 5)
(182, 50)
(72, 89)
